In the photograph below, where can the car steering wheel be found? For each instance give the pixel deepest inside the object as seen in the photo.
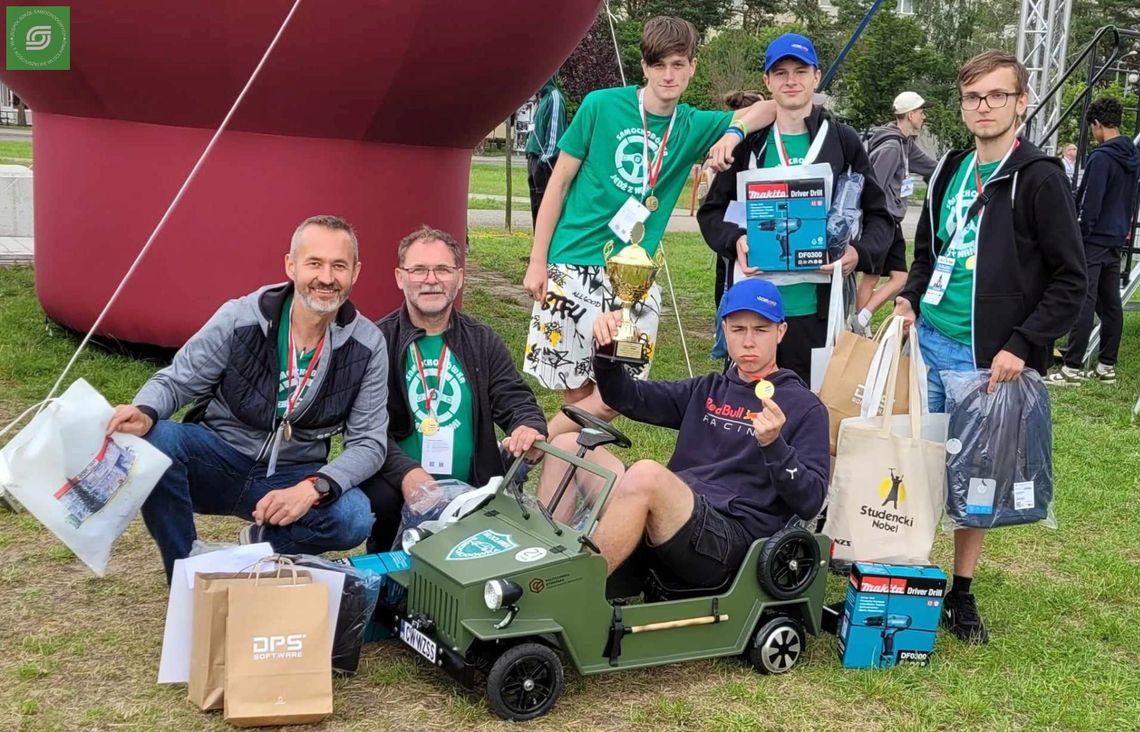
(585, 420)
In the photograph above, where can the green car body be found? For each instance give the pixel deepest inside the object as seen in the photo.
(563, 602)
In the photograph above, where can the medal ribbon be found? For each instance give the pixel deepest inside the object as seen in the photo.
(961, 226)
(652, 170)
(440, 370)
(296, 394)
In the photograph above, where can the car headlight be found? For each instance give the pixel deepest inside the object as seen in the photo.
(413, 536)
(500, 592)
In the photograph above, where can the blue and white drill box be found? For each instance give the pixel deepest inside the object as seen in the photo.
(786, 224)
(390, 592)
(891, 615)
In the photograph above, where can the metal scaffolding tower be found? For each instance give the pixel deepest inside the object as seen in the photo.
(1042, 38)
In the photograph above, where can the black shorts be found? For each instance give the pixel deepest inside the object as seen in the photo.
(896, 255)
(704, 552)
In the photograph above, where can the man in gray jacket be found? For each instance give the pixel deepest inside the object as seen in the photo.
(897, 161)
(273, 377)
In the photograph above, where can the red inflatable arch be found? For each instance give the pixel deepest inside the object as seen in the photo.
(365, 109)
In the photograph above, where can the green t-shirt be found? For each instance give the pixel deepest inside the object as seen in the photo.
(451, 405)
(301, 363)
(799, 299)
(953, 315)
(607, 136)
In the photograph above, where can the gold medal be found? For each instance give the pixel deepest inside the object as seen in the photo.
(287, 430)
(764, 389)
(429, 426)
(651, 203)
(637, 233)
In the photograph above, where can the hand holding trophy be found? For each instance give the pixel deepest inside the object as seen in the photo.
(631, 273)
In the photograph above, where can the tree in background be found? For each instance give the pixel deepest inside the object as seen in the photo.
(591, 64)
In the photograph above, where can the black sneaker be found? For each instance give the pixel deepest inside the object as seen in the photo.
(960, 616)
(251, 534)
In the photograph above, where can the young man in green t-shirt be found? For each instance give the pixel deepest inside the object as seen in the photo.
(624, 143)
(997, 274)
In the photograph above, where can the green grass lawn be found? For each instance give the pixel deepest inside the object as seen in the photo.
(15, 152)
(82, 652)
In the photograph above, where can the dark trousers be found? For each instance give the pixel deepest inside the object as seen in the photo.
(1102, 298)
(805, 332)
(537, 176)
(387, 503)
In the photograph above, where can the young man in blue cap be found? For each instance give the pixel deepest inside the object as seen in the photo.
(802, 134)
(752, 450)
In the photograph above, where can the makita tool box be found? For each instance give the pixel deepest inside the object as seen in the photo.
(891, 615)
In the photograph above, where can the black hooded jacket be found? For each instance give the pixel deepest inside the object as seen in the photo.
(841, 149)
(1029, 277)
(1107, 196)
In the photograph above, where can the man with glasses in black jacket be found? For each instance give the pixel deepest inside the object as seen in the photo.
(996, 277)
(451, 381)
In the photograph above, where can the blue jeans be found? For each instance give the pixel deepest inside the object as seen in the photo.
(941, 354)
(209, 476)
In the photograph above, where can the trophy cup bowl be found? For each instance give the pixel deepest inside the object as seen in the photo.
(631, 274)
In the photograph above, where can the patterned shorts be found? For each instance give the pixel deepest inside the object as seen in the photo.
(560, 339)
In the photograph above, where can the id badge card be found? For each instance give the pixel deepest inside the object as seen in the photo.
(939, 280)
(438, 450)
(907, 187)
(632, 212)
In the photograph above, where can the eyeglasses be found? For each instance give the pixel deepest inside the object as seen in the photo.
(419, 274)
(993, 100)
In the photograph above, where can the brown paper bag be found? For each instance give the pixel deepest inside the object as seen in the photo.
(847, 378)
(278, 654)
(208, 632)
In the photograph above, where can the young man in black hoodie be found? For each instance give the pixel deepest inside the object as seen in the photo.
(1107, 201)
(997, 277)
(791, 73)
(752, 450)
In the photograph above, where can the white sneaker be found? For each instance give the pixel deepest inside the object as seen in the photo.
(1065, 376)
(1103, 373)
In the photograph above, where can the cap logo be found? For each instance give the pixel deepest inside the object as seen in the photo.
(800, 47)
(766, 301)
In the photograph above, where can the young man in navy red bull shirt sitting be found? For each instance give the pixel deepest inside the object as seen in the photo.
(752, 450)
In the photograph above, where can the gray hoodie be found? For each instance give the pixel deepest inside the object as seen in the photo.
(231, 369)
(892, 154)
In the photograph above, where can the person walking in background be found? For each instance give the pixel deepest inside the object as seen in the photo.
(542, 143)
(896, 159)
(1107, 202)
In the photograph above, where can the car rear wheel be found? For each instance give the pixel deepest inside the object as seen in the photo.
(788, 563)
(524, 682)
(777, 646)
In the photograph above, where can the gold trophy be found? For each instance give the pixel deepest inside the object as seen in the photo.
(631, 273)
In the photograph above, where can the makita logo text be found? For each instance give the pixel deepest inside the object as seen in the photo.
(885, 520)
(278, 647)
(761, 191)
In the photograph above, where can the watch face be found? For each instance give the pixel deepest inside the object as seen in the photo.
(322, 486)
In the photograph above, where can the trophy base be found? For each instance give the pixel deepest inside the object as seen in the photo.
(631, 352)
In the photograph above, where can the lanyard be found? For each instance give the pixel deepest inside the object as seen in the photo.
(812, 153)
(960, 227)
(652, 170)
(440, 371)
(292, 371)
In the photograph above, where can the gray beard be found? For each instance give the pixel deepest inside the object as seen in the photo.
(319, 307)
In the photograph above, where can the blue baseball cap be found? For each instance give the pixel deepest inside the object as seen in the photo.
(755, 296)
(790, 45)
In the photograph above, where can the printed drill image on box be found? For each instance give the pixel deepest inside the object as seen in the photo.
(787, 224)
(891, 615)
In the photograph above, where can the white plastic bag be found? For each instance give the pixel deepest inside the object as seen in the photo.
(836, 322)
(83, 486)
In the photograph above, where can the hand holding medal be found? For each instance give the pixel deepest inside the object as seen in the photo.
(768, 422)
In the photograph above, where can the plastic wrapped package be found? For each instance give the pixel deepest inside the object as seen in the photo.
(999, 451)
(357, 604)
(845, 218)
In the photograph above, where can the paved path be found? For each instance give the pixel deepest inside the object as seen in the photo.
(15, 250)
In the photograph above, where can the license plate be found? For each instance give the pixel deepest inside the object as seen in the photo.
(419, 642)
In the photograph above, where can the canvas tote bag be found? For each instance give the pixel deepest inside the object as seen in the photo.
(888, 489)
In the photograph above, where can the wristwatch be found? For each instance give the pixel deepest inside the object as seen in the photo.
(323, 488)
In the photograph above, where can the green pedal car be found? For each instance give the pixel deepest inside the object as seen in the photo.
(516, 586)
